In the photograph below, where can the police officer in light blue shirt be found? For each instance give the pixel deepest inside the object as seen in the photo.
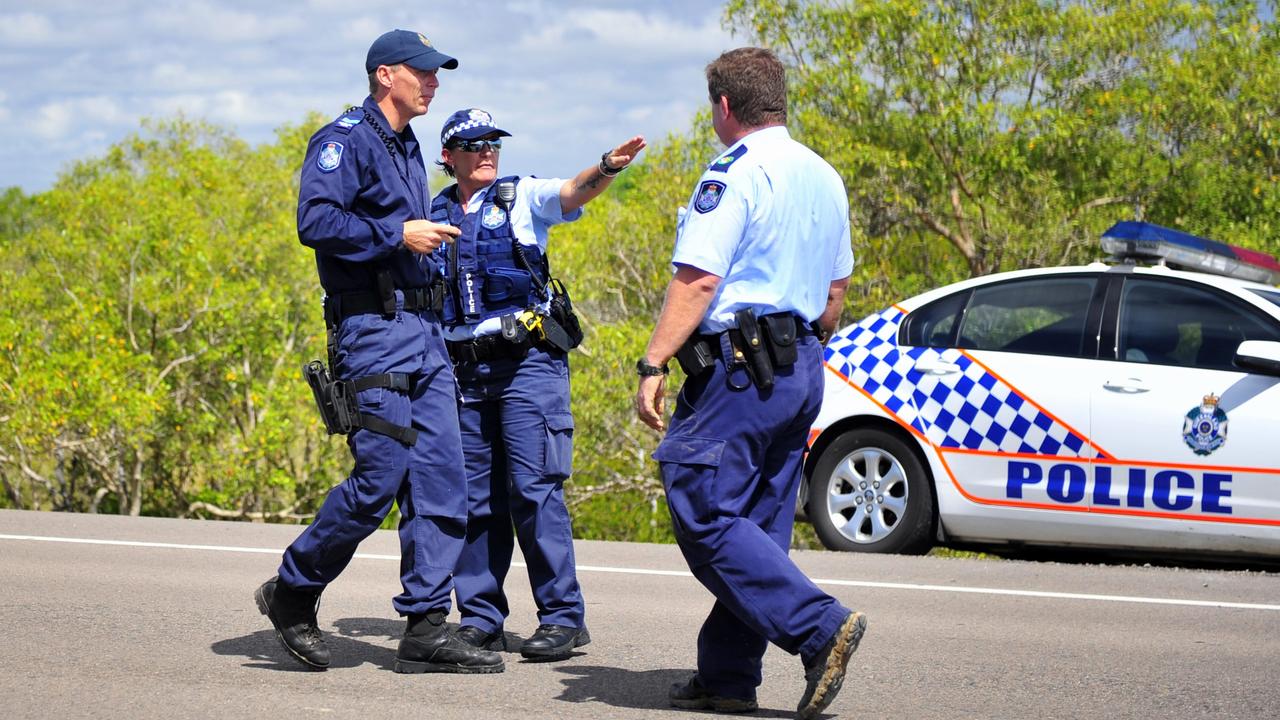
(762, 262)
(509, 333)
(363, 207)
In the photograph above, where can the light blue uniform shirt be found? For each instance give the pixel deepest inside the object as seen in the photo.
(771, 218)
(535, 209)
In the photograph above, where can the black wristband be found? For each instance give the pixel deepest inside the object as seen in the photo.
(605, 170)
(644, 369)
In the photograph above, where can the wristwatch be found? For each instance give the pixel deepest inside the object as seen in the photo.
(644, 369)
(605, 170)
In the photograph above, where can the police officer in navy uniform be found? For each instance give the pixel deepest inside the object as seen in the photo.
(510, 355)
(362, 207)
(762, 253)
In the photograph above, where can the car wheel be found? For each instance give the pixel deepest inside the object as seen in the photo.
(869, 493)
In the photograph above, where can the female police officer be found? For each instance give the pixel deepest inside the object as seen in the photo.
(510, 356)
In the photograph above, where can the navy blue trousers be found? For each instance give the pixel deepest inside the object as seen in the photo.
(427, 479)
(517, 437)
(731, 467)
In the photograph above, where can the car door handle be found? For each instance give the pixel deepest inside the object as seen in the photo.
(1128, 386)
(936, 366)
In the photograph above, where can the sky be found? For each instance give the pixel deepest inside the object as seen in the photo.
(569, 78)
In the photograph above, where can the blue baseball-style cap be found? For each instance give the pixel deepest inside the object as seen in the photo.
(469, 124)
(407, 47)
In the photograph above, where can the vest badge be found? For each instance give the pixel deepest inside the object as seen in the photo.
(493, 217)
(1205, 428)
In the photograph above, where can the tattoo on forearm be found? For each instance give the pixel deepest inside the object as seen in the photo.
(591, 184)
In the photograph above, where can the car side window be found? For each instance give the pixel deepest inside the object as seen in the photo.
(1167, 323)
(1042, 316)
(934, 324)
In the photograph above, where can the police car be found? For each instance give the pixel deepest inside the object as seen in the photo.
(1123, 404)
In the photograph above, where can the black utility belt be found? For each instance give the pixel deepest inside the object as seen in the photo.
(489, 347)
(344, 305)
(757, 346)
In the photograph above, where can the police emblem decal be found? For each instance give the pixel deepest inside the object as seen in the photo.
(330, 156)
(493, 217)
(708, 197)
(1204, 429)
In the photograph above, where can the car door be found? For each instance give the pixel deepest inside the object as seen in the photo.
(1007, 407)
(1196, 454)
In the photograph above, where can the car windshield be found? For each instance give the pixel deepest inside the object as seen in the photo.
(1273, 297)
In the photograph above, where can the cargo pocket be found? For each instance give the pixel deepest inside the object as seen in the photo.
(559, 446)
(689, 467)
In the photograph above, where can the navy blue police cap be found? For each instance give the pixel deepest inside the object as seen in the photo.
(407, 47)
(470, 124)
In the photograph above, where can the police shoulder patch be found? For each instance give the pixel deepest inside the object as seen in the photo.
(708, 195)
(722, 163)
(330, 156)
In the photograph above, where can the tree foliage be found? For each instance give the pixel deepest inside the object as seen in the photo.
(158, 311)
(1010, 133)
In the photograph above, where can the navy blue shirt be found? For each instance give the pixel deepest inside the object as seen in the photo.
(355, 197)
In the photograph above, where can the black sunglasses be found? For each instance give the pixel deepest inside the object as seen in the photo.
(476, 146)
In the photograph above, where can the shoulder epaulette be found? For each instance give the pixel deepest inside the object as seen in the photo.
(722, 163)
(349, 119)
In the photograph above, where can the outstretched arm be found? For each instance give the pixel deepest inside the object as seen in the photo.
(589, 183)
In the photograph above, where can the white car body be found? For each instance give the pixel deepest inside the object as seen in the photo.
(1024, 447)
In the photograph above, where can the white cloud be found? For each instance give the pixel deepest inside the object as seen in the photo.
(56, 120)
(25, 29)
(205, 22)
(53, 120)
(568, 77)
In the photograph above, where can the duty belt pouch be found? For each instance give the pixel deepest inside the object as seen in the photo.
(512, 330)
(758, 362)
(695, 356)
(780, 336)
(562, 312)
(387, 292)
(555, 335)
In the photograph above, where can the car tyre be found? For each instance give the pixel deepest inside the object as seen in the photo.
(870, 493)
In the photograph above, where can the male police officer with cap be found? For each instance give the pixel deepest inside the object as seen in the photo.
(362, 207)
(762, 252)
(512, 367)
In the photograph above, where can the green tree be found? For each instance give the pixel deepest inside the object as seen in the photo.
(978, 136)
(152, 335)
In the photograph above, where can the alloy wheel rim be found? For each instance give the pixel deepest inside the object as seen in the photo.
(866, 496)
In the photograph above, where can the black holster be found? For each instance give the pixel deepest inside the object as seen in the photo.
(336, 400)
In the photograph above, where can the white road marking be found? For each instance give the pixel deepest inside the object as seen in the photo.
(685, 573)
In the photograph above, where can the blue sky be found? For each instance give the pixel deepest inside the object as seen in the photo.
(568, 79)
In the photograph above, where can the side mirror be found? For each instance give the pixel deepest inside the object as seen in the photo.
(1259, 356)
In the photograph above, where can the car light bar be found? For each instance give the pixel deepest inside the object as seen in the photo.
(1144, 241)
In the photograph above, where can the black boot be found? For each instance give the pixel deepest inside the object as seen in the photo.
(554, 642)
(293, 613)
(428, 646)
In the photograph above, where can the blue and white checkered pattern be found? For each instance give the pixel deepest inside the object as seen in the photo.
(975, 412)
(470, 119)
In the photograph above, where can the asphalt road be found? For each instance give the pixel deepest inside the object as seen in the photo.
(109, 617)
